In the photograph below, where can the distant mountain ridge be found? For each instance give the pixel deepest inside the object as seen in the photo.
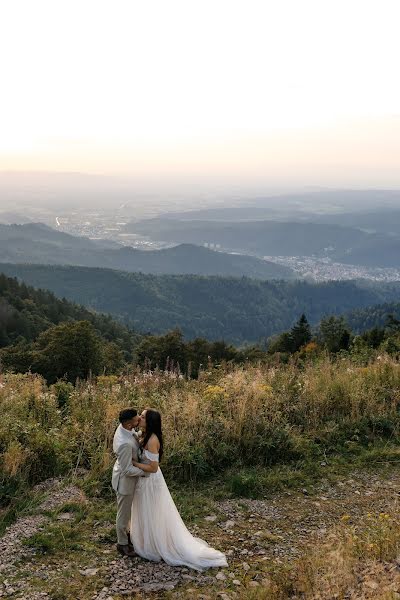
(13, 218)
(384, 220)
(40, 244)
(237, 310)
(274, 238)
(348, 245)
(319, 206)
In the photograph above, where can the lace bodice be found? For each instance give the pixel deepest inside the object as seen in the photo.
(151, 456)
(147, 457)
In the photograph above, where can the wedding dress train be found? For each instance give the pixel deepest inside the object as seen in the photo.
(158, 531)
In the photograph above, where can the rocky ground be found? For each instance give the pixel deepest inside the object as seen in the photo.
(64, 550)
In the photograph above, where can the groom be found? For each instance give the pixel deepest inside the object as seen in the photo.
(124, 477)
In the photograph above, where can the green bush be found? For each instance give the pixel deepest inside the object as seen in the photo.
(62, 391)
(246, 485)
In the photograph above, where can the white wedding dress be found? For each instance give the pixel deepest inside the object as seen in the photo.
(157, 530)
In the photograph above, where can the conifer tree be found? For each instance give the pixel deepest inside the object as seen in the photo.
(300, 333)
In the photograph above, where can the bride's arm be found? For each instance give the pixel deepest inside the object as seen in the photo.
(152, 467)
(153, 447)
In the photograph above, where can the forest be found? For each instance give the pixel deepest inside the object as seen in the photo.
(240, 311)
(63, 341)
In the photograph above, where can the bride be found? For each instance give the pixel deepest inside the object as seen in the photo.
(158, 532)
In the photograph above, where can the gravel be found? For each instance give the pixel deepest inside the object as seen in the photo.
(252, 533)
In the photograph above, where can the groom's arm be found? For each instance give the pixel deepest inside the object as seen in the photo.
(125, 462)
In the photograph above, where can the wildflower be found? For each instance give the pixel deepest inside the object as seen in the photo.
(214, 390)
(310, 347)
(345, 518)
(265, 388)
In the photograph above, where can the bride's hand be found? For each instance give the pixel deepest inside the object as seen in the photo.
(136, 464)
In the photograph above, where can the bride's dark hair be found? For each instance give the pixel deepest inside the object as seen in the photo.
(153, 425)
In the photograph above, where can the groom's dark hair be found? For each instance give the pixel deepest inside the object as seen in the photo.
(127, 414)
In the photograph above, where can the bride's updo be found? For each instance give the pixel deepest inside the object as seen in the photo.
(153, 425)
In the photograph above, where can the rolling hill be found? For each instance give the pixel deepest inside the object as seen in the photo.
(362, 319)
(271, 238)
(276, 238)
(314, 206)
(382, 220)
(40, 244)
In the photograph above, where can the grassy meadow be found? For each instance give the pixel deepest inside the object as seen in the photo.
(241, 422)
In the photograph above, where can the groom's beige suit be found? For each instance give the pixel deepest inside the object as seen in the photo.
(124, 478)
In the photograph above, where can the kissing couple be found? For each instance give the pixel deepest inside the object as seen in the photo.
(156, 531)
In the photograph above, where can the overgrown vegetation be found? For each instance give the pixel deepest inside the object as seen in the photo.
(232, 417)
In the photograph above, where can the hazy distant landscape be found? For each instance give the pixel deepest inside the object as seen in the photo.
(38, 243)
(324, 235)
(197, 269)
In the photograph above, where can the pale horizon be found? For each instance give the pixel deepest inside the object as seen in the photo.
(250, 94)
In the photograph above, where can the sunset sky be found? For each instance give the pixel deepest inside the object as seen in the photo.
(270, 90)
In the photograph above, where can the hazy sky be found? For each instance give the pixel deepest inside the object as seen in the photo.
(271, 90)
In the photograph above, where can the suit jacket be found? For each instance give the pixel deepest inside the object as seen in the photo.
(124, 476)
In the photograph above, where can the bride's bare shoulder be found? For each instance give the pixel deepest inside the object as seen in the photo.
(153, 445)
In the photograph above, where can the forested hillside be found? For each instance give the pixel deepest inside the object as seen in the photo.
(25, 312)
(56, 337)
(237, 310)
(361, 319)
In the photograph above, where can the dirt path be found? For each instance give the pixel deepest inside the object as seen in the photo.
(256, 535)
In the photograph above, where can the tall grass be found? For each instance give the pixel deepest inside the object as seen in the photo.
(245, 416)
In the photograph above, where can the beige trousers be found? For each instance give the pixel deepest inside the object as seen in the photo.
(124, 508)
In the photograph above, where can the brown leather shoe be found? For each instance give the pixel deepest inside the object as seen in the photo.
(126, 550)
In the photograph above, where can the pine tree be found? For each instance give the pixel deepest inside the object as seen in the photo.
(300, 333)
